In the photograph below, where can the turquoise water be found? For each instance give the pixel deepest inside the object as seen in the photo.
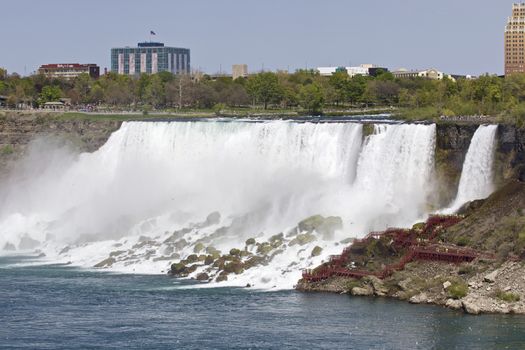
(60, 307)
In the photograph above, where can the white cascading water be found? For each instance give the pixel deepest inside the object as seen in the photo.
(153, 178)
(476, 180)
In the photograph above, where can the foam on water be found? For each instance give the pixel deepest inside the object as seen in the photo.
(151, 179)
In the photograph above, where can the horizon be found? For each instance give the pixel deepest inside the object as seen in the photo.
(380, 33)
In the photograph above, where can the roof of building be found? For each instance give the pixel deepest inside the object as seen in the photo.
(67, 65)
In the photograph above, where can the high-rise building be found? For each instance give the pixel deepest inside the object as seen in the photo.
(239, 71)
(515, 40)
(150, 58)
(69, 70)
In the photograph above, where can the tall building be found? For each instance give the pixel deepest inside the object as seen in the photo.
(69, 70)
(150, 58)
(239, 71)
(515, 40)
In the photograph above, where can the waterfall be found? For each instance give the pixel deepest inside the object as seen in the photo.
(153, 178)
(476, 180)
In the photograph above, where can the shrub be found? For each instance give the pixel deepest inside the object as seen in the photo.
(457, 290)
(507, 296)
(7, 149)
(463, 241)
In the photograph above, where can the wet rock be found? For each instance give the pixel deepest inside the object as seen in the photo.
(192, 258)
(209, 260)
(223, 276)
(420, 298)
(471, 308)
(178, 269)
(106, 262)
(329, 226)
(302, 239)
(316, 251)
(213, 252)
(236, 267)
(28, 243)
(454, 304)
(9, 247)
(180, 244)
(235, 252)
(264, 248)
(66, 249)
(177, 235)
(116, 253)
(202, 277)
(362, 291)
(255, 261)
(213, 219)
(347, 240)
(310, 224)
(250, 241)
(198, 247)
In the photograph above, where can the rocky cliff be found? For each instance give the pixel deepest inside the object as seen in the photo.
(17, 130)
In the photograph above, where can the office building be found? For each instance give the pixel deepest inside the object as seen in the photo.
(515, 40)
(427, 73)
(69, 70)
(239, 71)
(150, 58)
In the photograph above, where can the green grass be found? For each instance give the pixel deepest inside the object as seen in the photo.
(6, 150)
(507, 296)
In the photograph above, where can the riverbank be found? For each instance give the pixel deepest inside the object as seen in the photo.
(492, 282)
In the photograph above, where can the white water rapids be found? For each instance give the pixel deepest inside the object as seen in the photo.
(153, 178)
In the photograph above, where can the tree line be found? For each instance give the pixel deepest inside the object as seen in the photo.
(303, 90)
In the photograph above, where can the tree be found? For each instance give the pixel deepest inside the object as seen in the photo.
(49, 93)
(311, 98)
(339, 82)
(264, 88)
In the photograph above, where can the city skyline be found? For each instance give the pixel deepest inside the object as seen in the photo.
(269, 35)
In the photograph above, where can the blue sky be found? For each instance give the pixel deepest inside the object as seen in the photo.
(456, 36)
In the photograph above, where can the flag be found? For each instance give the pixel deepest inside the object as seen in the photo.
(152, 32)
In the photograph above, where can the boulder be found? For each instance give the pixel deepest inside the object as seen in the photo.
(117, 253)
(202, 277)
(362, 291)
(302, 239)
(178, 269)
(223, 276)
(446, 284)
(420, 298)
(106, 262)
(454, 304)
(250, 241)
(192, 258)
(310, 224)
(316, 251)
(491, 277)
(235, 252)
(377, 285)
(264, 248)
(471, 307)
(329, 226)
(213, 219)
(209, 260)
(198, 247)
